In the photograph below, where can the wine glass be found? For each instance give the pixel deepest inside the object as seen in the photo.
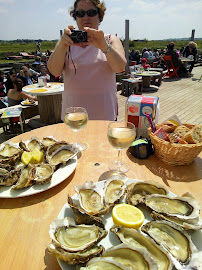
(76, 119)
(120, 135)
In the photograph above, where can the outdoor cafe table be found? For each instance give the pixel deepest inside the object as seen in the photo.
(186, 60)
(49, 101)
(25, 221)
(146, 77)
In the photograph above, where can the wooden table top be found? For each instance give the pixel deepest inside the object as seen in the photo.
(25, 221)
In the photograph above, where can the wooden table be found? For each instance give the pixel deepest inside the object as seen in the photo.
(146, 77)
(25, 221)
(49, 102)
(186, 61)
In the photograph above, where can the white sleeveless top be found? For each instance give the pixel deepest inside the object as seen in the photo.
(93, 86)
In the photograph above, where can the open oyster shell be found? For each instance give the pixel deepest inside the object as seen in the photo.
(91, 199)
(104, 263)
(48, 141)
(174, 240)
(79, 257)
(26, 178)
(182, 207)
(10, 178)
(75, 238)
(133, 257)
(31, 144)
(61, 155)
(9, 153)
(52, 148)
(136, 191)
(131, 236)
(43, 173)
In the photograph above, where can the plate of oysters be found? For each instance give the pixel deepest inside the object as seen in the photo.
(19, 177)
(84, 236)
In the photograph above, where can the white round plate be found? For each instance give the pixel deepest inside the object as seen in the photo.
(111, 239)
(30, 104)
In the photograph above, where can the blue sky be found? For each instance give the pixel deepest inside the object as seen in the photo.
(157, 19)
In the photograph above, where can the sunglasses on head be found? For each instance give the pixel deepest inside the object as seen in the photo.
(81, 13)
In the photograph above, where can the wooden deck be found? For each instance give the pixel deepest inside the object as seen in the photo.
(182, 97)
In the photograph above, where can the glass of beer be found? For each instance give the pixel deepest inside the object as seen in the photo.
(120, 135)
(76, 119)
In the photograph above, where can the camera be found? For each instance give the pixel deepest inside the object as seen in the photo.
(79, 36)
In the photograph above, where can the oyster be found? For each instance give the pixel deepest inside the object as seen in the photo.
(182, 207)
(52, 148)
(26, 178)
(61, 155)
(10, 178)
(43, 173)
(195, 225)
(82, 217)
(131, 236)
(31, 144)
(91, 199)
(136, 191)
(104, 263)
(3, 173)
(47, 141)
(75, 257)
(113, 190)
(74, 238)
(133, 257)
(9, 153)
(174, 240)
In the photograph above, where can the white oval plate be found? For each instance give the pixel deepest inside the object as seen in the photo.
(111, 239)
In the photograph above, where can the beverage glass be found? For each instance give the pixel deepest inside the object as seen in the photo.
(120, 135)
(76, 119)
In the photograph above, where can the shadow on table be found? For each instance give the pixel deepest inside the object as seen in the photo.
(186, 173)
(108, 174)
(50, 260)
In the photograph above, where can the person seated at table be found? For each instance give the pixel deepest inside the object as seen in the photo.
(131, 55)
(144, 63)
(190, 50)
(137, 57)
(175, 59)
(26, 76)
(156, 53)
(16, 96)
(10, 79)
(89, 68)
(34, 74)
(150, 53)
(145, 53)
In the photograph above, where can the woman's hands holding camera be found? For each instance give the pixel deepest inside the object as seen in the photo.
(96, 38)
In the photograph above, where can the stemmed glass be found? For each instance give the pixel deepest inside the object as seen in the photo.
(76, 119)
(120, 135)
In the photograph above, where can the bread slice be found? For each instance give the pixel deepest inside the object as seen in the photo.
(181, 131)
(167, 126)
(194, 135)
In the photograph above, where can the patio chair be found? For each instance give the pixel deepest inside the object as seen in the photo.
(172, 71)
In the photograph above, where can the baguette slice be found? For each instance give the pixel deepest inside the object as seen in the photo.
(181, 131)
(194, 135)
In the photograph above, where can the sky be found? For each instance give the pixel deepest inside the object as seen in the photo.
(150, 19)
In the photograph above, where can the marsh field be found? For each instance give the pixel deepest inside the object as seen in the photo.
(14, 48)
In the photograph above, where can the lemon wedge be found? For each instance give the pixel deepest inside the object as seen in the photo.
(127, 215)
(37, 156)
(26, 157)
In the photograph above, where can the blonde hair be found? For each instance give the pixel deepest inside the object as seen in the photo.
(99, 5)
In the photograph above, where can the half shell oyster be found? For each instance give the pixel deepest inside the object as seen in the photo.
(9, 153)
(104, 263)
(31, 144)
(26, 178)
(48, 141)
(43, 173)
(113, 191)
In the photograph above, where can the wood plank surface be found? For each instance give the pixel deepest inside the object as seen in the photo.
(25, 221)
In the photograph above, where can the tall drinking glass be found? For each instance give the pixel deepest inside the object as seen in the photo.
(120, 135)
(76, 119)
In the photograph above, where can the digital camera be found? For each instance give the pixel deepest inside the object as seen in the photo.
(79, 36)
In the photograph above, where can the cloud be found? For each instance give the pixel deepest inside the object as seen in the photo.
(7, 1)
(3, 10)
(62, 11)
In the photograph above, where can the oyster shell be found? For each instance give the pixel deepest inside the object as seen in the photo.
(104, 263)
(195, 225)
(48, 141)
(74, 238)
(75, 257)
(133, 257)
(26, 178)
(131, 236)
(31, 144)
(174, 240)
(43, 173)
(9, 153)
(182, 207)
(82, 217)
(91, 199)
(136, 191)
(61, 155)
(52, 148)
(10, 178)
(113, 191)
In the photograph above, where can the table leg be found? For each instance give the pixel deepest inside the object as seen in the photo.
(21, 124)
(146, 81)
(50, 108)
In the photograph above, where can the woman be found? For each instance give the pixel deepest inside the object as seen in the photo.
(89, 68)
(16, 96)
(190, 50)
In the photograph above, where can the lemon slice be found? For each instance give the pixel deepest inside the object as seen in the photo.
(26, 157)
(127, 215)
(37, 156)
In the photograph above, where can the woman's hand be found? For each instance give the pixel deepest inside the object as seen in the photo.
(96, 38)
(65, 40)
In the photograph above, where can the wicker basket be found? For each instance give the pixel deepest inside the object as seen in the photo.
(173, 153)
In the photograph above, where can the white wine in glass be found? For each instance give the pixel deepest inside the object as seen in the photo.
(76, 119)
(120, 135)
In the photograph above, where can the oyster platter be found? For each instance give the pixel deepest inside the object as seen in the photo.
(84, 236)
(32, 166)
